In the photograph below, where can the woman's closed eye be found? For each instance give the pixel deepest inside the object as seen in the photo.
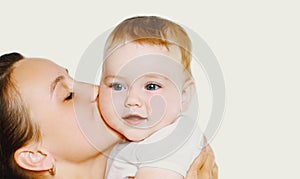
(70, 96)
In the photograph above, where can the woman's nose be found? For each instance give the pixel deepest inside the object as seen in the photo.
(96, 91)
(86, 91)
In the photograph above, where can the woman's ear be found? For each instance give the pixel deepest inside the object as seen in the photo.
(188, 91)
(29, 158)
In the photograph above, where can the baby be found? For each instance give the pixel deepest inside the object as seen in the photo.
(146, 85)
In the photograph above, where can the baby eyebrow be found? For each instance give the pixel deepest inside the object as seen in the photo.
(156, 75)
(113, 77)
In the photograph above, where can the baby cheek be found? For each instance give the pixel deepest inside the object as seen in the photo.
(104, 101)
(157, 108)
(117, 102)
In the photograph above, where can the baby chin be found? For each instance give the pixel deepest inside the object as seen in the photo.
(137, 134)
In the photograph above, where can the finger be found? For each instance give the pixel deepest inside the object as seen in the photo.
(210, 150)
(200, 160)
(215, 172)
(204, 166)
(197, 164)
(209, 164)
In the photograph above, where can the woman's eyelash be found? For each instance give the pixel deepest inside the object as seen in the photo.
(71, 95)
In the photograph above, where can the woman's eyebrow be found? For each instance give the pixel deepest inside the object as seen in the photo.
(55, 82)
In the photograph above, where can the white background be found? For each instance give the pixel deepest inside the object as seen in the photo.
(256, 42)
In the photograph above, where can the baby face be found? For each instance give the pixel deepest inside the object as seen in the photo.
(142, 89)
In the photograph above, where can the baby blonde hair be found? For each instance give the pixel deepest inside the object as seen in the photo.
(151, 30)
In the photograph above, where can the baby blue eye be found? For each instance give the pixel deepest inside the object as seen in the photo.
(152, 87)
(118, 87)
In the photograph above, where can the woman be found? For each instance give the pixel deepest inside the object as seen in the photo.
(39, 133)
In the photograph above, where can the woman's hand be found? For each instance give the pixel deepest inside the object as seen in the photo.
(204, 166)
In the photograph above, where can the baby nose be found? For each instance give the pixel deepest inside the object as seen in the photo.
(133, 100)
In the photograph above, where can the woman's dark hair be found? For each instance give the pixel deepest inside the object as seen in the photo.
(16, 127)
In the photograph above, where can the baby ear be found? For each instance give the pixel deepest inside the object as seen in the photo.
(29, 158)
(188, 91)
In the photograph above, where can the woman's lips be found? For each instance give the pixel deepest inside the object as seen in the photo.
(134, 119)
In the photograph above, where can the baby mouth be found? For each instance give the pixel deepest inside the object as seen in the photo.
(134, 119)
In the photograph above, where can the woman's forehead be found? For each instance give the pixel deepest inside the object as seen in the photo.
(34, 74)
(35, 67)
(32, 63)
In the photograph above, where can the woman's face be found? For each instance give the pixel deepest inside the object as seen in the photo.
(57, 106)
